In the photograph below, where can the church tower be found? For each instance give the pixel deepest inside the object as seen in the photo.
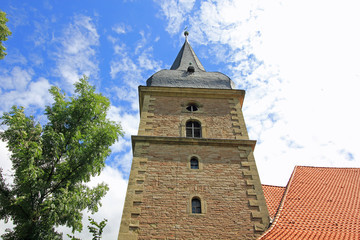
(193, 174)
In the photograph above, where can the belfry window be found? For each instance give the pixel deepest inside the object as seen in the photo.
(193, 129)
(194, 163)
(196, 205)
(192, 108)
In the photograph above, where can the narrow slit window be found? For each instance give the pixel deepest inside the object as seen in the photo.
(196, 205)
(193, 129)
(194, 163)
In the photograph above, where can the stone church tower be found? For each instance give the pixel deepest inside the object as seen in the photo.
(193, 174)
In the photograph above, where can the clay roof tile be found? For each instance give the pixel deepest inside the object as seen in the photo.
(273, 196)
(319, 203)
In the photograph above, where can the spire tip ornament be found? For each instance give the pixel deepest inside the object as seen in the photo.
(186, 33)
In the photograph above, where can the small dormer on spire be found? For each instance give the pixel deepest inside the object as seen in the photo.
(186, 58)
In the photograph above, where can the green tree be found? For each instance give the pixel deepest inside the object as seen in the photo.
(52, 163)
(4, 33)
(96, 229)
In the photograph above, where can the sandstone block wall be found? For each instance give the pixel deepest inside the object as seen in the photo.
(161, 183)
(165, 114)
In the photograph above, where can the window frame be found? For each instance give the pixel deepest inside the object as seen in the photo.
(195, 130)
(202, 204)
(182, 126)
(188, 162)
(196, 164)
(196, 209)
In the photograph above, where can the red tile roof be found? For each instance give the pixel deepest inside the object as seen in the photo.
(319, 203)
(273, 196)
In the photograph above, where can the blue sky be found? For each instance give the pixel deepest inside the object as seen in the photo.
(298, 61)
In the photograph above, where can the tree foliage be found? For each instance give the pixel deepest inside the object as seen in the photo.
(52, 163)
(96, 229)
(4, 33)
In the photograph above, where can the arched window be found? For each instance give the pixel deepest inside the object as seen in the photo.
(196, 205)
(193, 129)
(194, 163)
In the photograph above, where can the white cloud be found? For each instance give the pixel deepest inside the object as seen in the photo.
(129, 122)
(114, 113)
(299, 63)
(317, 57)
(15, 57)
(76, 54)
(146, 62)
(175, 12)
(123, 162)
(121, 28)
(124, 64)
(16, 79)
(113, 202)
(5, 163)
(142, 42)
(120, 145)
(36, 60)
(19, 16)
(130, 71)
(37, 94)
(7, 172)
(18, 88)
(41, 35)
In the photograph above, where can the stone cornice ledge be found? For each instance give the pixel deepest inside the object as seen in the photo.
(193, 141)
(170, 91)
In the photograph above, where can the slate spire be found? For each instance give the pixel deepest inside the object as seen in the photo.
(187, 57)
(188, 72)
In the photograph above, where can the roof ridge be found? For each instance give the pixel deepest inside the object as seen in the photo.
(328, 167)
(277, 214)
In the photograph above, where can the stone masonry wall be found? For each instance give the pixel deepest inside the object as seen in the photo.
(161, 183)
(167, 115)
(170, 184)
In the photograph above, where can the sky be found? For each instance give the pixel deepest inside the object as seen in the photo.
(299, 62)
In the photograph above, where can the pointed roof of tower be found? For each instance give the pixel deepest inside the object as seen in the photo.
(187, 71)
(187, 57)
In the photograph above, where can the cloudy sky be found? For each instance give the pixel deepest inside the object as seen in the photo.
(299, 62)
